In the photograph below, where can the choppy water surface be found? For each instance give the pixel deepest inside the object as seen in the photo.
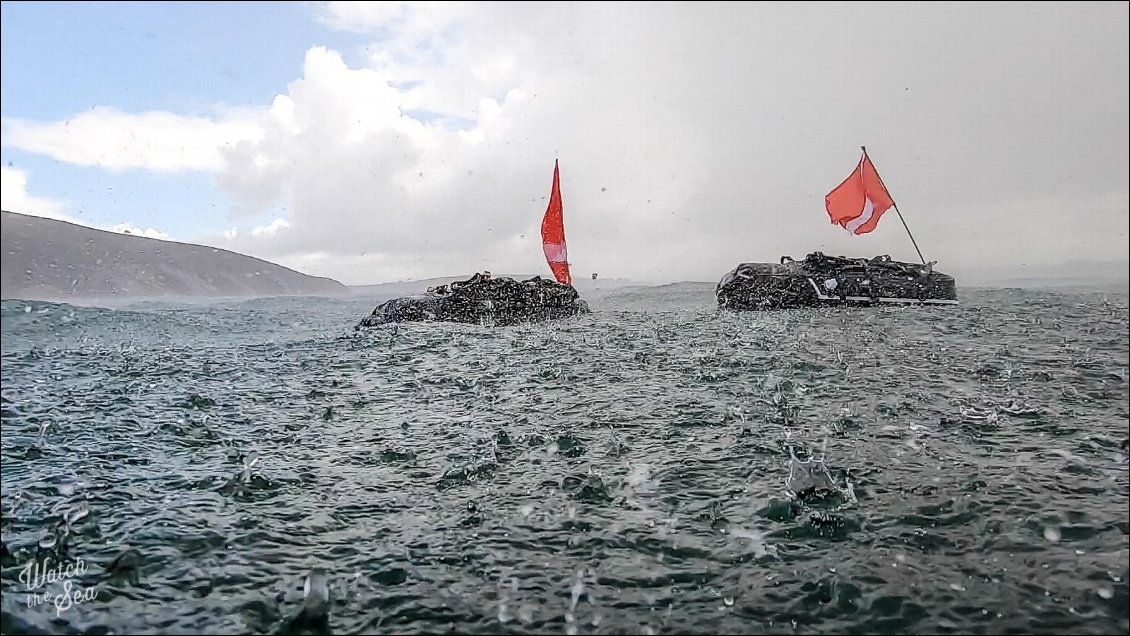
(656, 467)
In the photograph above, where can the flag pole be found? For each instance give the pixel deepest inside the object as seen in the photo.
(896, 207)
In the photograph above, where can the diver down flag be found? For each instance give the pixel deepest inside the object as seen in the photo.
(858, 203)
(553, 234)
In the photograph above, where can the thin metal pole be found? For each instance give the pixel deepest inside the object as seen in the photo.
(896, 207)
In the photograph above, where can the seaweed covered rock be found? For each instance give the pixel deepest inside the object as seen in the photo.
(479, 300)
(830, 280)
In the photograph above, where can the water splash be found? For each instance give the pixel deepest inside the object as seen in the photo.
(809, 478)
(1052, 534)
(576, 591)
(504, 599)
(316, 595)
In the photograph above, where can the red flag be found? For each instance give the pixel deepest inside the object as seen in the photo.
(859, 202)
(553, 234)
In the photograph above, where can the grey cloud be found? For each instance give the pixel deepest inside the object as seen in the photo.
(694, 135)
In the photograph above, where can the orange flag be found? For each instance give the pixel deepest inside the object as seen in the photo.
(553, 234)
(859, 202)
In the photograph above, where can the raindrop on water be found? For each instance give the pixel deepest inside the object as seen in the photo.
(1051, 533)
(78, 513)
(48, 540)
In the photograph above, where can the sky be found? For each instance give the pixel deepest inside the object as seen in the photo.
(378, 142)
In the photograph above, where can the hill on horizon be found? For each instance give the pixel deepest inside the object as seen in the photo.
(47, 259)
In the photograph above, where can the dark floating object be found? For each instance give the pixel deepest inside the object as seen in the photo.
(127, 565)
(833, 280)
(484, 300)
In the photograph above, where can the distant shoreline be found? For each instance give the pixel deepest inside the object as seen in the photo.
(48, 259)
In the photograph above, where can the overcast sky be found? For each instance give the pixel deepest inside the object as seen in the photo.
(388, 141)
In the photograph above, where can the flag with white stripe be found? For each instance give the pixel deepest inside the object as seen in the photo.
(859, 202)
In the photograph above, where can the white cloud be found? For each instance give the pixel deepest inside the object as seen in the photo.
(690, 137)
(129, 228)
(110, 139)
(420, 21)
(14, 197)
(689, 142)
(270, 229)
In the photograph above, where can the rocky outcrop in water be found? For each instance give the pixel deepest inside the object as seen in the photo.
(497, 301)
(833, 280)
